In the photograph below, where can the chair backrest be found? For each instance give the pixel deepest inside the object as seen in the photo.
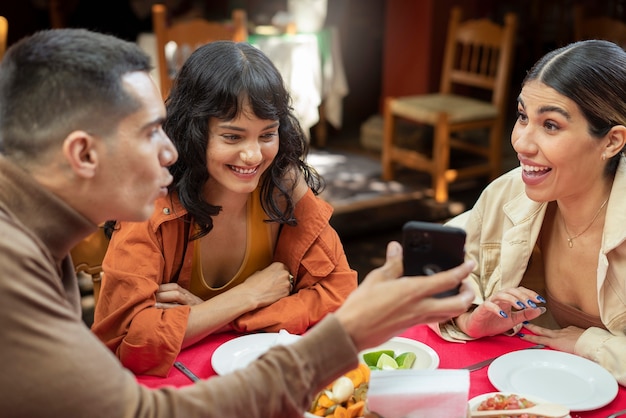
(88, 255)
(478, 54)
(4, 33)
(187, 35)
(598, 27)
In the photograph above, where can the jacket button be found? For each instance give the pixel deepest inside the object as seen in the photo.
(166, 211)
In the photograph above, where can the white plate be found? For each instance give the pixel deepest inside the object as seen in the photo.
(558, 377)
(241, 351)
(475, 402)
(425, 357)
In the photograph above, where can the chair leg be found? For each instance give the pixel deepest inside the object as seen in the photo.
(441, 159)
(321, 129)
(495, 153)
(389, 131)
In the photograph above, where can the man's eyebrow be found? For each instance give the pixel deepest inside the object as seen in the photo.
(154, 122)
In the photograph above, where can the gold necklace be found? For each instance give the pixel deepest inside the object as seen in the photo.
(570, 240)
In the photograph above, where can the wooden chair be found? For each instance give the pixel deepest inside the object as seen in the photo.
(188, 35)
(477, 56)
(87, 257)
(598, 27)
(4, 33)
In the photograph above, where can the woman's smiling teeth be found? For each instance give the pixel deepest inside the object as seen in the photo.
(242, 170)
(534, 170)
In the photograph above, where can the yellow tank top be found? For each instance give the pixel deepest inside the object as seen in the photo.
(258, 255)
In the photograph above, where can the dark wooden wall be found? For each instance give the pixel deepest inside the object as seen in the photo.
(389, 46)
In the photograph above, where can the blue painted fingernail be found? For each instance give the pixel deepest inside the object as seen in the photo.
(525, 322)
(503, 314)
(520, 304)
(531, 303)
(541, 299)
(521, 334)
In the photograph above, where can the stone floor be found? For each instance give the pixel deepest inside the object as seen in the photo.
(370, 212)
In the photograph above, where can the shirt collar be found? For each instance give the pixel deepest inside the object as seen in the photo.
(57, 225)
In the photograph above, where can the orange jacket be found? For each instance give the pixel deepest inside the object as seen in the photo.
(141, 256)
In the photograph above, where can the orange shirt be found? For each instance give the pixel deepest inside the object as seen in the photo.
(143, 255)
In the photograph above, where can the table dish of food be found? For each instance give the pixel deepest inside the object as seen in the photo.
(504, 400)
(425, 357)
(558, 377)
(197, 359)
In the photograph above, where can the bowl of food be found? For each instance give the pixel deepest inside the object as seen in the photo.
(400, 353)
(344, 397)
(504, 401)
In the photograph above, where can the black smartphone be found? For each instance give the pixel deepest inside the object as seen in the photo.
(430, 248)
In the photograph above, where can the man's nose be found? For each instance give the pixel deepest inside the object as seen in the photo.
(169, 154)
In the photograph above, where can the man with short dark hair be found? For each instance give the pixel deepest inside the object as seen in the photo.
(81, 142)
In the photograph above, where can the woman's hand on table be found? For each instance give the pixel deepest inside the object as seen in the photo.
(501, 312)
(262, 288)
(385, 304)
(558, 339)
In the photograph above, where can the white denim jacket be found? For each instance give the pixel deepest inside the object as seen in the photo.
(502, 230)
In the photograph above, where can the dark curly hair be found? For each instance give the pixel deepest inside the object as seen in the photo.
(214, 82)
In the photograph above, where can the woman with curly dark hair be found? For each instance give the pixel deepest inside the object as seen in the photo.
(241, 242)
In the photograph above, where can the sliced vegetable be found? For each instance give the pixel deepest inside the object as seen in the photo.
(342, 390)
(372, 357)
(386, 362)
(406, 360)
(345, 397)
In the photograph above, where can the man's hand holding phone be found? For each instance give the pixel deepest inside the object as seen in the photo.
(430, 248)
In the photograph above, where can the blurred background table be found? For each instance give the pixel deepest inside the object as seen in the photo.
(312, 68)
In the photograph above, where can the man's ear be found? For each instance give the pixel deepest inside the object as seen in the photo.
(616, 140)
(79, 149)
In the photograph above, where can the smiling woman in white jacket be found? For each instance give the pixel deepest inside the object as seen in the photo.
(552, 233)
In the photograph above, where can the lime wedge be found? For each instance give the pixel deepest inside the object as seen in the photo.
(371, 358)
(386, 362)
(406, 360)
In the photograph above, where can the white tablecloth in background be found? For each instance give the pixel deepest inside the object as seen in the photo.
(312, 72)
(312, 67)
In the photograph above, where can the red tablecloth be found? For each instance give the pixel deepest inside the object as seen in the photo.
(197, 358)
